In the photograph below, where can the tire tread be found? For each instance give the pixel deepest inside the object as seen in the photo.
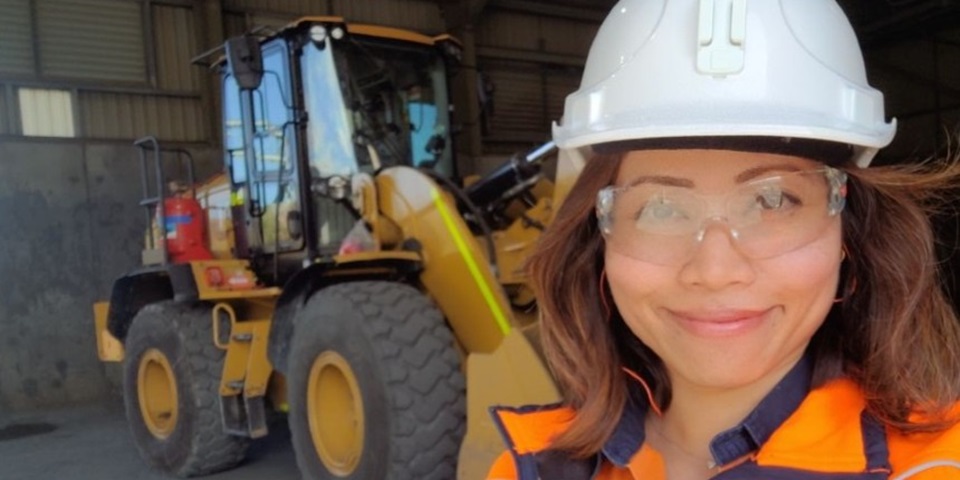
(209, 448)
(421, 368)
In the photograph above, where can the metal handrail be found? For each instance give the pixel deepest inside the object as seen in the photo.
(150, 143)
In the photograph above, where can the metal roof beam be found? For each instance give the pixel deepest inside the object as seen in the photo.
(549, 10)
(530, 56)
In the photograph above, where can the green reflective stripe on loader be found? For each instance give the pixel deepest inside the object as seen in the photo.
(471, 262)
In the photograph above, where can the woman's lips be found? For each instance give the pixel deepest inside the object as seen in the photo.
(720, 323)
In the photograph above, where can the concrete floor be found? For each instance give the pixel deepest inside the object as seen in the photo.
(94, 443)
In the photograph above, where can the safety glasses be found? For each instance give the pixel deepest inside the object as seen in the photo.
(765, 217)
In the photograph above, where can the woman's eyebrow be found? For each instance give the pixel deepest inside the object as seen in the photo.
(751, 173)
(742, 177)
(662, 180)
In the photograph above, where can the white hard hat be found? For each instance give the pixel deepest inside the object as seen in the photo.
(723, 68)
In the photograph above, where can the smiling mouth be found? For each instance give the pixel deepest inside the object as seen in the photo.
(720, 323)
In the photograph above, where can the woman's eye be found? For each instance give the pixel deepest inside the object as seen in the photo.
(659, 210)
(770, 199)
(775, 199)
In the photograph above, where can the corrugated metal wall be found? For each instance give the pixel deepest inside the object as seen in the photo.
(920, 80)
(518, 105)
(16, 47)
(559, 85)
(275, 21)
(100, 39)
(565, 36)
(175, 33)
(510, 30)
(531, 87)
(528, 98)
(234, 23)
(116, 115)
(521, 31)
(311, 7)
(3, 111)
(420, 15)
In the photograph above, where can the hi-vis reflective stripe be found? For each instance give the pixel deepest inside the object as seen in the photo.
(471, 262)
(928, 466)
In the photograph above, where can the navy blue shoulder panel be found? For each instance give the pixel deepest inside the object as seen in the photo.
(874, 443)
(557, 465)
(526, 466)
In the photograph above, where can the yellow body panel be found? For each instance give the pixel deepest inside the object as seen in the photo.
(456, 274)
(109, 349)
(372, 256)
(315, 19)
(246, 367)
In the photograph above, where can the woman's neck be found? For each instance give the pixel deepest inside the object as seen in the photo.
(699, 413)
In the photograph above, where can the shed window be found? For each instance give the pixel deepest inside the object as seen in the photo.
(46, 113)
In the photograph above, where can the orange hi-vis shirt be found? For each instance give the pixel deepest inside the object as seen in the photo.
(795, 433)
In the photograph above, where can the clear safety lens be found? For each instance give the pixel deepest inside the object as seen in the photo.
(765, 217)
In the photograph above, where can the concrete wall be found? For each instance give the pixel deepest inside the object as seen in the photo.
(69, 225)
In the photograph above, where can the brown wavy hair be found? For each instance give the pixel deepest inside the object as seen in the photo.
(895, 333)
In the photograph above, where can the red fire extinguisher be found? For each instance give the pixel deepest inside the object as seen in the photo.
(185, 230)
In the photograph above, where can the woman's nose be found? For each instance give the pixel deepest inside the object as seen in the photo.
(717, 260)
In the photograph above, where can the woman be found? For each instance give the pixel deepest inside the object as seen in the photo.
(742, 298)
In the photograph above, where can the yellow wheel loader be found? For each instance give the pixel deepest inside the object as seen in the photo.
(335, 271)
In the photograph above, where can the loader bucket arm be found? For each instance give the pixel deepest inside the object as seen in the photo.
(457, 274)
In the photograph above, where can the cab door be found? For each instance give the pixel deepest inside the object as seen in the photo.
(260, 146)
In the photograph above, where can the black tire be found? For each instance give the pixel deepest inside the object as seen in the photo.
(408, 373)
(197, 444)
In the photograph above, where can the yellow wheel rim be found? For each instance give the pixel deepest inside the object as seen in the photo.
(335, 410)
(157, 393)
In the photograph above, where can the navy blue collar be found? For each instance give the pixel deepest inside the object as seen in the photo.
(730, 445)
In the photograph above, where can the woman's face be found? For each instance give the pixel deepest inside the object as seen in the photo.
(721, 315)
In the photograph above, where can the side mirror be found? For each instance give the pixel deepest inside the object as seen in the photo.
(245, 61)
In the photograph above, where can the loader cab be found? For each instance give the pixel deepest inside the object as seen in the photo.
(312, 106)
